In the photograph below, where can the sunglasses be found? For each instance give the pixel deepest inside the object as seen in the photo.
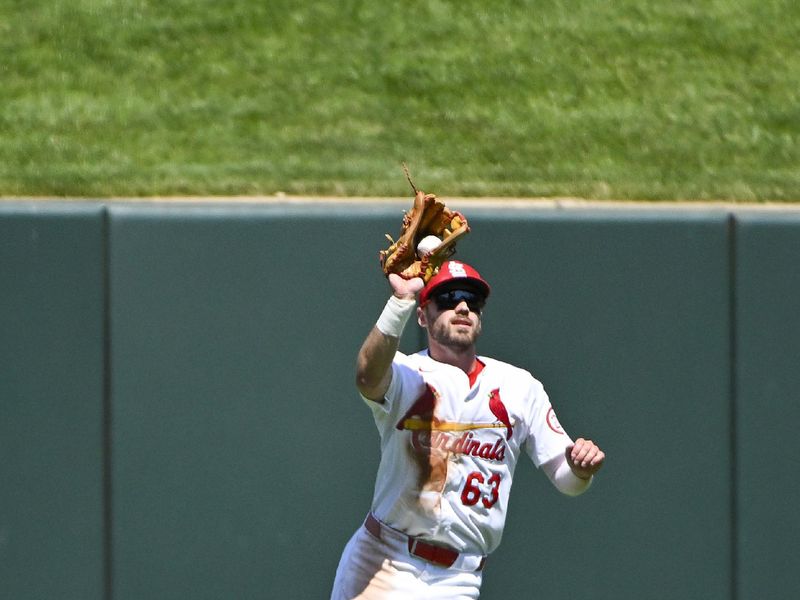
(451, 299)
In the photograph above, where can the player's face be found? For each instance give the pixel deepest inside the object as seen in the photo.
(453, 318)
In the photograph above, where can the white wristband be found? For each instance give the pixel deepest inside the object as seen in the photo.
(563, 478)
(395, 315)
(568, 483)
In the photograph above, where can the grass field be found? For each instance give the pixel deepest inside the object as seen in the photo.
(604, 100)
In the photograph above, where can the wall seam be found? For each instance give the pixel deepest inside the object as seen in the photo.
(733, 416)
(108, 546)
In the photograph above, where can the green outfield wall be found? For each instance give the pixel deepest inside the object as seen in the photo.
(52, 391)
(178, 417)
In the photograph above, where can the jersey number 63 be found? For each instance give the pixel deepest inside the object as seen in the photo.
(472, 492)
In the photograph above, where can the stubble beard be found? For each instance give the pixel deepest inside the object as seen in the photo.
(448, 335)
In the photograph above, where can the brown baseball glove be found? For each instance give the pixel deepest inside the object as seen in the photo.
(428, 217)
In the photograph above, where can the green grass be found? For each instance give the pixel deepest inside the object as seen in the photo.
(605, 100)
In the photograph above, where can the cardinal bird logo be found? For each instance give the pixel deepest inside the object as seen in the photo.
(499, 410)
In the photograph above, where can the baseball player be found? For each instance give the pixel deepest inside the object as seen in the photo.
(452, 425)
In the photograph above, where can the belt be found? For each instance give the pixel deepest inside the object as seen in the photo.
(438, 555)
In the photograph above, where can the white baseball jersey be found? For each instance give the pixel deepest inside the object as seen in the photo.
(449, 448)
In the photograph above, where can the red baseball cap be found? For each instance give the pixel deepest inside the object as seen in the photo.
(454, 274)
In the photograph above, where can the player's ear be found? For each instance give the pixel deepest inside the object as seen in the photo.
(421, 318)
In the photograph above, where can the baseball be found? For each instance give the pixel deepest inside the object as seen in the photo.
(427, 245)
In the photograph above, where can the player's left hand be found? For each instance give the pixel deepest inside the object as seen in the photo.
(585, 458)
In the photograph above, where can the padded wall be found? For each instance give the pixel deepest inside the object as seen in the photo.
(767, 405)
(178, 416)
(624, 318)
(51, 402)
(243, 457)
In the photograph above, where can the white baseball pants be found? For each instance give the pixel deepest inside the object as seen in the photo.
(383, 569)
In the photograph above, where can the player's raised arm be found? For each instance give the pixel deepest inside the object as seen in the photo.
(374, 362)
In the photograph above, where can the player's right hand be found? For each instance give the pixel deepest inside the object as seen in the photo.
(405, 288)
